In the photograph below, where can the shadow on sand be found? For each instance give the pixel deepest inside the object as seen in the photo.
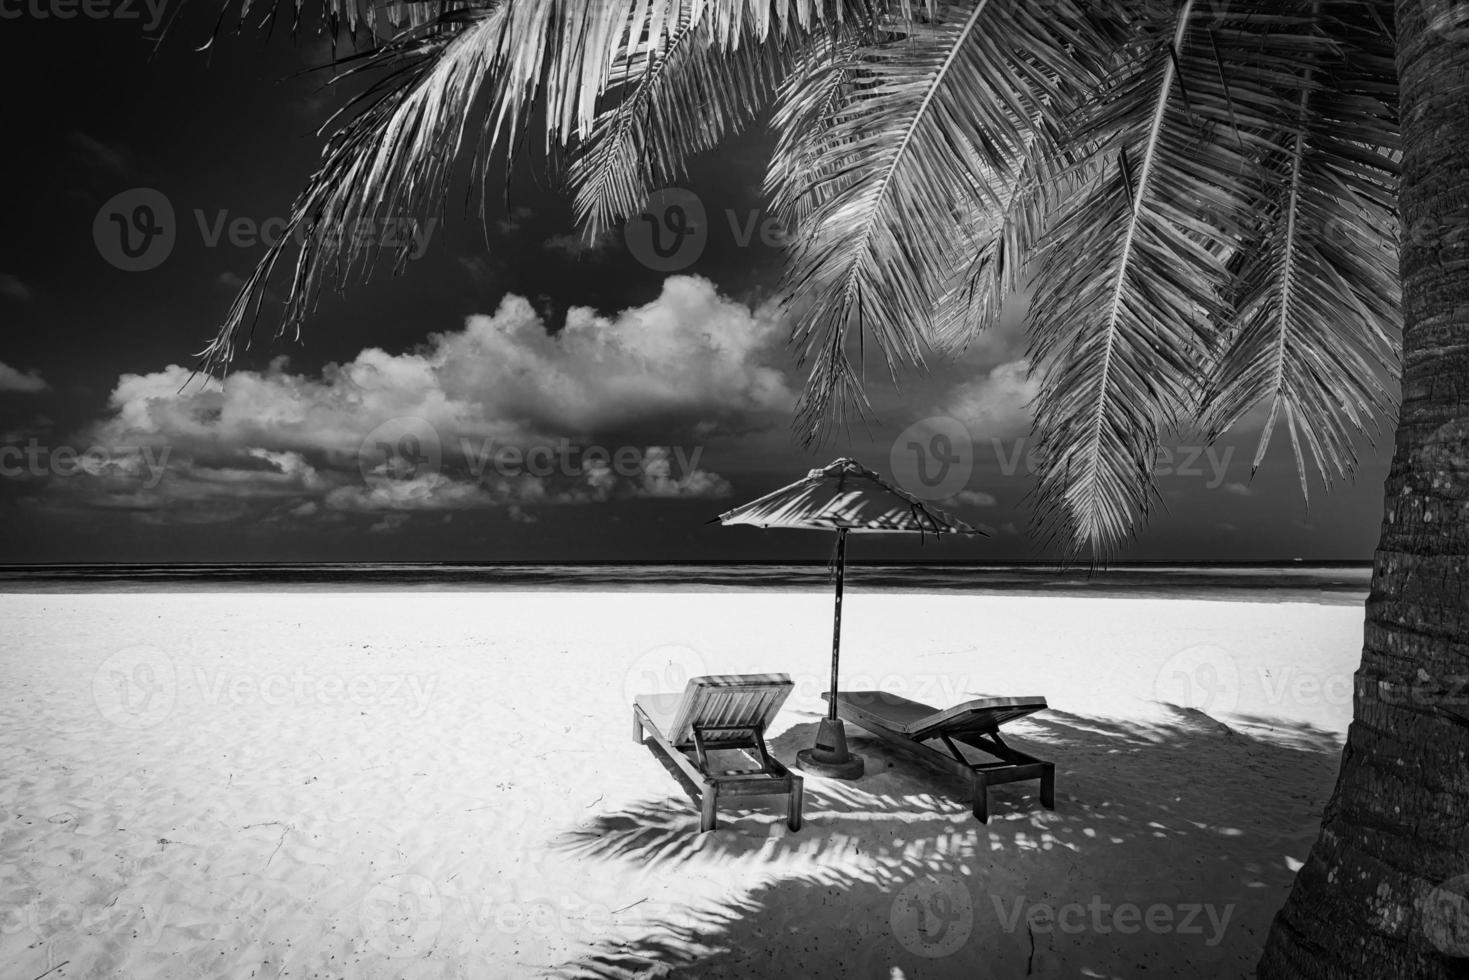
(1170, 850)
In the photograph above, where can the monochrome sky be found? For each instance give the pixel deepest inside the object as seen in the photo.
(516, 394)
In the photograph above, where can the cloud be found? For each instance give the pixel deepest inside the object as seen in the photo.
(483, 269)
(13, 381)
(514, 220)
(996, 404)
(97, 154)
(690, 353)
(503, 413)
(971, 498)
(13, 288)
(574, 245)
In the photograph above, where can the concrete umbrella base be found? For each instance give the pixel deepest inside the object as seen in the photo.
(829, 756)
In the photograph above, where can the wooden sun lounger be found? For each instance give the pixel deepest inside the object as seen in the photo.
(910, 727)
(718, 713)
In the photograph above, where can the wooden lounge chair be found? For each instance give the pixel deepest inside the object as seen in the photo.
(910, 727)
(721, 713)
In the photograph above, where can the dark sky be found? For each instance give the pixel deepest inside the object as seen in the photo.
(374, 436)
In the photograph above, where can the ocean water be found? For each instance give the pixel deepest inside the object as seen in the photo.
(1340, 582)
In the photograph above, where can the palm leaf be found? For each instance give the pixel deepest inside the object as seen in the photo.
(1135, 268)
(673, 94)
(1312, 332)
(396, 146)
(818, 83)
(932, 120)
(1005, 241)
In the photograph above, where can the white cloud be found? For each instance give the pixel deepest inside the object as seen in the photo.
(13, 288)
(690, 361)
(574, 245)
(971, 498)
(28, 383)
(996, 404)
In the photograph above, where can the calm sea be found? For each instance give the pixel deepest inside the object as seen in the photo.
(1344, 582)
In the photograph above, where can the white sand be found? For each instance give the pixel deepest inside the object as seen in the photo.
(445, 785)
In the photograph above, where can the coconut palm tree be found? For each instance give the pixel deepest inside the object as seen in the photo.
(1205, 195)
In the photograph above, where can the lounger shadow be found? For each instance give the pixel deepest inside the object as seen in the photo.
(911, 727)
(721, 713)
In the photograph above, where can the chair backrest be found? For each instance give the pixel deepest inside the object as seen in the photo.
(728, 701)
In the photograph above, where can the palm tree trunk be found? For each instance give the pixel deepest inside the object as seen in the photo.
(1368, 902)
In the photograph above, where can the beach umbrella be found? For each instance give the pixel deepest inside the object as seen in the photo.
(842, 496)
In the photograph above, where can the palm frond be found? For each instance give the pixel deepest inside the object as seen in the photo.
(492, 62)
(1314, 330)
(674, 93)
(805, 106)
(390, 160)
(933, 119)
(1135, 272)
(1005, 241)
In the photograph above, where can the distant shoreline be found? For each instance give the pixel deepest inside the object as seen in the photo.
(1340, 582)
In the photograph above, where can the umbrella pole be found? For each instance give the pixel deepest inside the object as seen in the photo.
(830, 756)
(836, 632)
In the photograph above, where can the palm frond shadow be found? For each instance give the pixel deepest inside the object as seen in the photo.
(1181, 812)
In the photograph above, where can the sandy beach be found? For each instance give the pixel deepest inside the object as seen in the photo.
(445, 785)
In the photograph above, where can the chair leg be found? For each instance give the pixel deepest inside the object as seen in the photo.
(637, 727)
(981, 798)
(793, 807)
(706, 812)
(1048, 788)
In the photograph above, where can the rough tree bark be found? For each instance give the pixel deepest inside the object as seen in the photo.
(1383, 892)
